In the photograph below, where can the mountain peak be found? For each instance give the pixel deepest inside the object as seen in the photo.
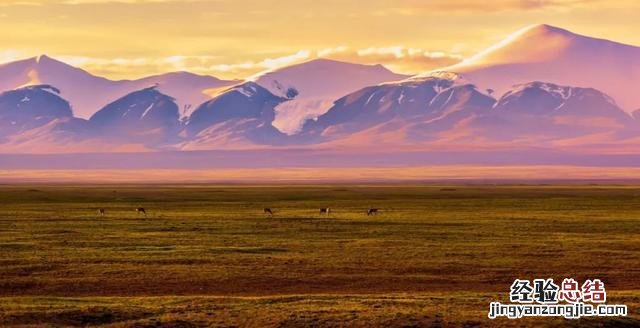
(535, 43)
(42, 57)
(46, 60)
(543, 29)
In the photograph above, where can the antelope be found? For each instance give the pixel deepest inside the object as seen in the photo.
(141, 210)
(325, 210)
(101, 211)
(372, 211)
(268, 211)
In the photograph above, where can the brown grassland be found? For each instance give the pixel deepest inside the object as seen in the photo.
(206, 255)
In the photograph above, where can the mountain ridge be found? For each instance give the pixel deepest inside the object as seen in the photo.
(441, 109)
(87, 92)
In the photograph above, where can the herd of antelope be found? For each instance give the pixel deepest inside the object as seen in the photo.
(323, 210)
(139, 210)
(267, 210)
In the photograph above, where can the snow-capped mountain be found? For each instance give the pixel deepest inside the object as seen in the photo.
(551, 54)
(539, 111)
(313, 86)
(543, 87)
(145, 116)
(435, 110)
(87, 93)
(239, 116)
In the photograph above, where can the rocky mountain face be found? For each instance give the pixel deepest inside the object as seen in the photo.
(147, 115)
(241, 115)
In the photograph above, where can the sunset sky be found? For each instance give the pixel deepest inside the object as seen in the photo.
(234, 39)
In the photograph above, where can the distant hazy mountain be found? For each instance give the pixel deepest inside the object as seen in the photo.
(239, 116)
(146, 116)
(87, 93)
(313, 86)
(551, 54)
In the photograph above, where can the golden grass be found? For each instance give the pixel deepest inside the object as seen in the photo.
(207, 255)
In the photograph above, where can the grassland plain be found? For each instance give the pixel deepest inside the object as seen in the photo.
(206, 255)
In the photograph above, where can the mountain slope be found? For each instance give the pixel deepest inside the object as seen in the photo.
(551, 54)
(30, 107)
(313, 86)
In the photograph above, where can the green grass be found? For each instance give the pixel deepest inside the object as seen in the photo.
(207, 255)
